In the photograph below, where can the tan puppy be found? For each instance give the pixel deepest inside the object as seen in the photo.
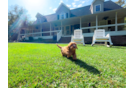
(69, 50)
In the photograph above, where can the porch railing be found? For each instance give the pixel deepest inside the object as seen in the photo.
(86, 33)
(59, 35)
(37, 35)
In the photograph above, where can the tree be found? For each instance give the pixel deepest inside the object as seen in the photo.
(16, 16)
(122, 3)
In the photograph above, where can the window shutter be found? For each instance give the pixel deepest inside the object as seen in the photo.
(58, 17)
(66, 15)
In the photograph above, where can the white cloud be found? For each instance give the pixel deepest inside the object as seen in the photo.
(60, 2)
(69, 5)
(71, 8)
(73, 4)
(79, 5)
(50, 13)
(83, 1)
(76, 0)
(54, 9)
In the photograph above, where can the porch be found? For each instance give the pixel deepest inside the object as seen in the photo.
(114, 22)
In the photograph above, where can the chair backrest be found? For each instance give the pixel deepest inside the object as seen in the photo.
(99, 33)
(77, 33)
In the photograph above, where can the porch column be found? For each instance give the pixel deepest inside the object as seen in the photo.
(41, 29)
(80, 23)
(61, 25)
(69, 29)
(50, 30)
(19, 35)
(64, 30)
(96, 22)
(116, 22)
(32, 31)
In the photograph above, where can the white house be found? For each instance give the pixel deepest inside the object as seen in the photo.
(99, 15)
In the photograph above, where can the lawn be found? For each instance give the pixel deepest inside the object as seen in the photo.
(36, 65)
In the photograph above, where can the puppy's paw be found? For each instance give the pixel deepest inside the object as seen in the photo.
(68, 56)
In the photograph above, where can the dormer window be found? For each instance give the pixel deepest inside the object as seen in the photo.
(62, 16)
(97, 8)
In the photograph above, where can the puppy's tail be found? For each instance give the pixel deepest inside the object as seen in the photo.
(58, 46)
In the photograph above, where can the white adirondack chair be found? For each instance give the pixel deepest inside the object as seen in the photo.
(78, 37)
(99, 36)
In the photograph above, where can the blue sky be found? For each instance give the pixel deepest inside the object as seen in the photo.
(46, 7)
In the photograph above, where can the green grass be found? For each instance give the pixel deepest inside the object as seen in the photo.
(35, 65)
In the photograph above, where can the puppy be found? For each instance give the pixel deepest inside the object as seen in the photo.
(69, 50)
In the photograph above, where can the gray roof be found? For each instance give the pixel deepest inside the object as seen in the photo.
(51, 17)
(108, 5)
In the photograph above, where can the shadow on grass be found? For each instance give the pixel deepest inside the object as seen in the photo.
(85, 66)
(118, 47)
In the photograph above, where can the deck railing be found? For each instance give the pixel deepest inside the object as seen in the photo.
(59, 35)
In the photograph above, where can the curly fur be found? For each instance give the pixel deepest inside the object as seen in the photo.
(69, 50)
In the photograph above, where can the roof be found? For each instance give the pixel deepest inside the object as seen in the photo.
(62, 4)
(51, 17)
(108, 5)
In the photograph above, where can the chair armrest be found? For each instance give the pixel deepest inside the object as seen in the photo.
(93, 36)
(108, 35)
(72, 36)
(82, 36)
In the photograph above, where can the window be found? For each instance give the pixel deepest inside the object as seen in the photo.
(37, 27)
(97, 8)
(62, 16)
(67, 30)
(93, 23)
(56, 28)
(103, 22)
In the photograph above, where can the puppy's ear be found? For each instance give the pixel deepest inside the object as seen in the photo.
(69, 45)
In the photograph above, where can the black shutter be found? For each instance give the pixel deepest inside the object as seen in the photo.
(66, 15)
(89, 25)
(58, 17)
